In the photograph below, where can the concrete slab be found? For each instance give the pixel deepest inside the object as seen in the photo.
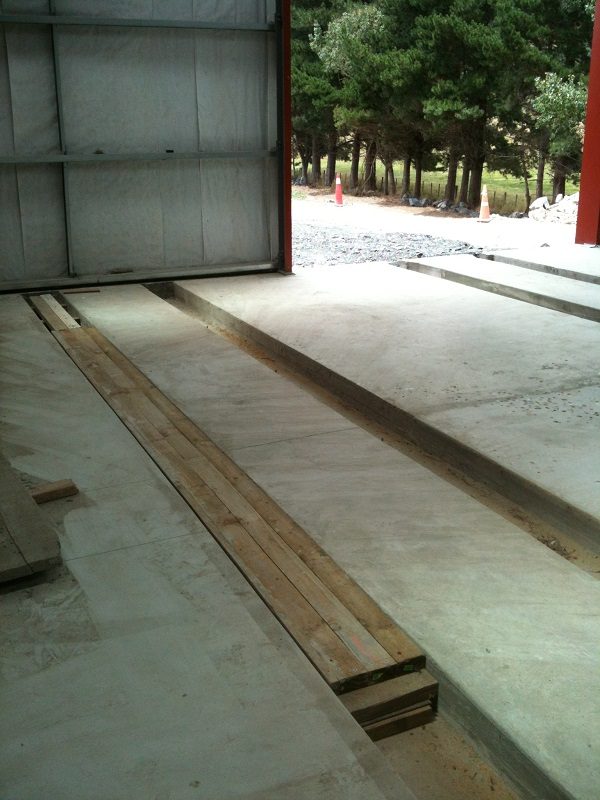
(572, 261)
(579, 298)
(148, 668)
(262, 408)
(440, 361)
(509, 627)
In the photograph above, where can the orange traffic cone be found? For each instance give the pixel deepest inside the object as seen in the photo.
(339, 200)
(484, 209)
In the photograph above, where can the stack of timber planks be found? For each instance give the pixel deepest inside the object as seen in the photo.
(354, 645)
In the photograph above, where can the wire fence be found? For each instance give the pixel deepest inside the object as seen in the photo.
(500, 201)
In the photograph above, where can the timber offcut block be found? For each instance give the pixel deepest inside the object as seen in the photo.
(56, 490)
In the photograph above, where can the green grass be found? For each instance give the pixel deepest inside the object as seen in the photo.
(506, 193)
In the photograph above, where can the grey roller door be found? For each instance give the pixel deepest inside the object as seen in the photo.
(137, 139)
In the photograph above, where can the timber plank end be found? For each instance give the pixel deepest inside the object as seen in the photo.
(407, 667)
(45, 492)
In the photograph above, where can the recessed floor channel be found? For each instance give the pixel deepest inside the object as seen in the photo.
(506, 625)
(505, 391)
(350, 641)
(568, 295)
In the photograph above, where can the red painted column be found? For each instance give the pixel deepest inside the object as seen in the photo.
(588, 217)
(286, 26)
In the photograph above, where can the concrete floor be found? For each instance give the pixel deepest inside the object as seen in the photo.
(146, 668)
(510, 628)
(497, 375)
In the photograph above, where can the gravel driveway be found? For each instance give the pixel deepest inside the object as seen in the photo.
(314, 244)
(370, 229)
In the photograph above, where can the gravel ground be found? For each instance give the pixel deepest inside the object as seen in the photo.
(394, 230)
(315, 244)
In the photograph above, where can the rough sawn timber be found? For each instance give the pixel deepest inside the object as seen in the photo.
(347, 637)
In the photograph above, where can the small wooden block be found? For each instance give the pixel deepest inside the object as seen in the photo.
(46, 492)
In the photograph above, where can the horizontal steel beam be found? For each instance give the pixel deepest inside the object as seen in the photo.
(97, 158)
(123, 22)
(134, 276)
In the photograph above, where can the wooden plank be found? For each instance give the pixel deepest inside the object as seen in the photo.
(399, 724)
(351, 647)
(371, 654)
(362, 606)
(53, 313)
(82, 290)
(117, 357)
(352, 633)
(89, 356)
(140, 412)
(386, 699)
(33, 536)
(307, 628)
(45, 492)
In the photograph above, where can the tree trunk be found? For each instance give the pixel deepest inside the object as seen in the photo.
(392, 177)
(386, 180)
(539, 178)
(474, 198)
(370, 172)
(405, 185)
(451, 179)
(332, 142)
(418, 174)
(316, 159)
(305, 161)
(526, 177)
(559, 179)
(355, 161)
(463, 194)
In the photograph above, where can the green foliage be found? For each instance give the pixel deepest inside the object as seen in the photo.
(314, 95)
(559, 105)
(492, 80)
(352, 40)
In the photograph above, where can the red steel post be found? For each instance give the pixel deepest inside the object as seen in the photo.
(588, 216)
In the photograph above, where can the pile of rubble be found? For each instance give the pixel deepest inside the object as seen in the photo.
(564, 209)
(441, 205)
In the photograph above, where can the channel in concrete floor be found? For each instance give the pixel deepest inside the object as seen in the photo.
(579, 298)
(573, 261)
(146, 667)
(509, 627)
(470, 375)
